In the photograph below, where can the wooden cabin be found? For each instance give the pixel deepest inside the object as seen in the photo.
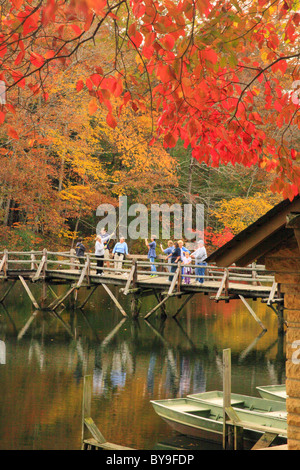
(274, 240)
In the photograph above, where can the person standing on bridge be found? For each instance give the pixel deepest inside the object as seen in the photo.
(80, 250)
(183, 249)
(120, 250)
(167, 251)
(186, 261)
(175, 257)
(101, 239)
(152, 253)
(200, 256)
(99, 253)
(106, 239)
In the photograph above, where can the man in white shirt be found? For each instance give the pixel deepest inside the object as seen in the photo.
(200, 256)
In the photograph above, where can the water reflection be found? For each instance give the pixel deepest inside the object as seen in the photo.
(2, 352)
(44, 356)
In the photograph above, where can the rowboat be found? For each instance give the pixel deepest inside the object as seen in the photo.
(273, 392)
(244, 403)
(205, 421)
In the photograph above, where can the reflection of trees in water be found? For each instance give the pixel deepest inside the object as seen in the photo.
(177, 376)
(2, 352)
(191, 378)
(176, 371)
(172, 363)
(111, 369)
(169, 368)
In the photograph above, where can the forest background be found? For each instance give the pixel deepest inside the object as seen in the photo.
(62, 154)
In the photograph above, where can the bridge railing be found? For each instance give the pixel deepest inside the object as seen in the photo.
(41, 261)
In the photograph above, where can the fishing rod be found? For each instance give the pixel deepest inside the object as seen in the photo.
(114, 232)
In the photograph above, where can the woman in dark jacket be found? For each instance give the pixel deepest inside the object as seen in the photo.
(175, 257)
(80, 250)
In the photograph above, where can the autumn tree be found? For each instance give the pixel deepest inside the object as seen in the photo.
(61, 159)
(238, 213)
(199, 62)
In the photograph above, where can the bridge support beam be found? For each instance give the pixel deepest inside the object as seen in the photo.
(30, 295)
(253, 313)
(116, 302)
(183, 304)
(7, 291)
(61, 299)
(89, 296)
(157, 307)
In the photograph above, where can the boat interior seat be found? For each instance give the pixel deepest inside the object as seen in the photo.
(219, 401)
(238, 404)
(204, 413)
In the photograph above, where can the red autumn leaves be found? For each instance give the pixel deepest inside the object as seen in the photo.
(197, 60)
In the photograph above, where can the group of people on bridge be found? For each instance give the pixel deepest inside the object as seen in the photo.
(175, 252)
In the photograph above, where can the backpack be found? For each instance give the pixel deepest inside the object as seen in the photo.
(79, 249)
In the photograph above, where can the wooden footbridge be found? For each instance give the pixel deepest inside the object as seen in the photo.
(136, 279)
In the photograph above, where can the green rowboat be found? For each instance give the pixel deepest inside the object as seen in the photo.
(205, 421)
(273, 392)
(243, 402)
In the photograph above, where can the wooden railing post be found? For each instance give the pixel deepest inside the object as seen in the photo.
(88, 268)
(226, 281)
(33, 259)
(5, 262)
(179, 277)
(82, 275)
(132, 278)
(45, 255)
(272, 293)
(224, 284)
(73, 259)
(254, 274)
(42, 267)
(173, 282)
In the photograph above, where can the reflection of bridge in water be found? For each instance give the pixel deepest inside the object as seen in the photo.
(115, 355)
(136, 279)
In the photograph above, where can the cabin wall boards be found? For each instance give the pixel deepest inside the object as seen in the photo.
(285, 261)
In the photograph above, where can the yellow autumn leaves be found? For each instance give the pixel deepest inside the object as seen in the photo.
(95, 158)
(238, 213)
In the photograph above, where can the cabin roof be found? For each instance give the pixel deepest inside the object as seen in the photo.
(255, 241)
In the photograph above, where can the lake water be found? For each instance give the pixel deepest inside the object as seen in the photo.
(44, 358)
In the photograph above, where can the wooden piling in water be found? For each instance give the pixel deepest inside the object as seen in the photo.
(233, 426)
(89, 428)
